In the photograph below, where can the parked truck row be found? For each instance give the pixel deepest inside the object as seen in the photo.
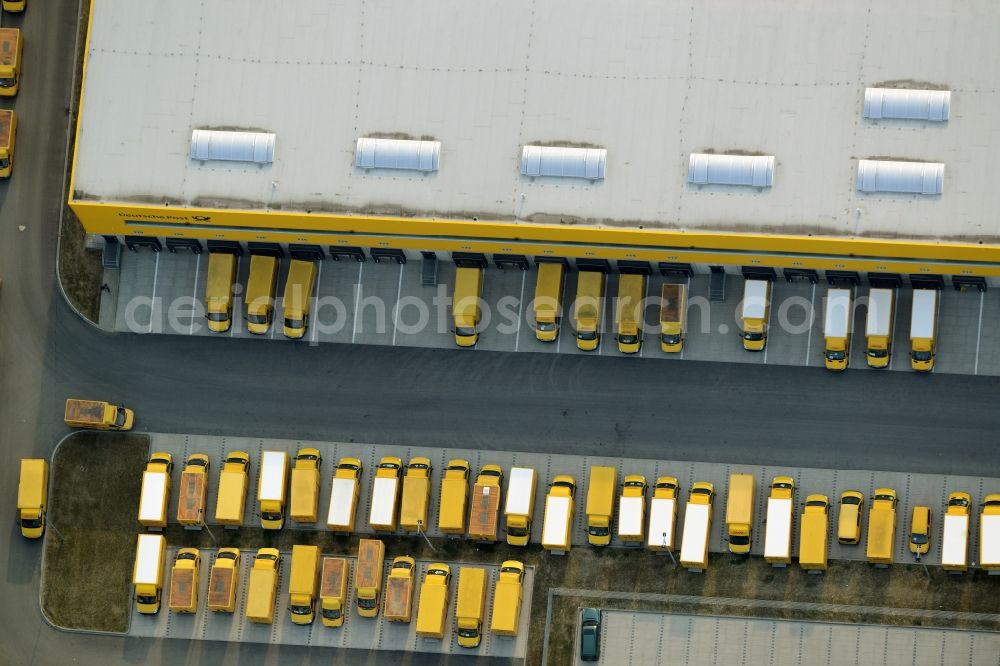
(319, 586)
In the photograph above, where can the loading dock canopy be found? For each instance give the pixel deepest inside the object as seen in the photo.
(932, 105)
(752, 170)
(562, 162)
(908, 177)
(256, 147)
(397, 154)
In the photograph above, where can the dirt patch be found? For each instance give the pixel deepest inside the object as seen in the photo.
(90, 543)
(78, 268)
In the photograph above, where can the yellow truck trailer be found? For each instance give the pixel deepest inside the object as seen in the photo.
(154, 497)
(989, 535)
(548, 300)
(219, 291)
(147, 574)
(272, 489)
(10, 61)
(91, 414)
(739, 512)
(507, 596)
(601, 487)
(663, 515)
(778, 524)
(384, 510)
(587, 309)
(224, 581)
(260, 293)
(882, 527)
(955, 533)
(193, 492)
(673, 317)
(32, 497)
(484, 508)
(302, 583)
(399, 590)
(368, 576)
(755, 313)
(632, 510)
(416, 495)
(233, 481)
(304, 504)
(454, 497)
(628, 314)
(298, 297)
(344, 493)
(814, 531)
(8, 136)
(333, 591)
(471, 606)
(184, 581)
(435, 594)
(262, 589)
(465, 305)
(878, 327)
(697, 527)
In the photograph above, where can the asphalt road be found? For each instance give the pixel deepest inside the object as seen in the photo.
(557, 403)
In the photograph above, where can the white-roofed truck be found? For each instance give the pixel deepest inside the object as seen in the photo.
(989, 535)
(838, 321)
(520, 505)
(154, 497)
(272, 489)
(778, 527)
(632, 510)
(663, 515)
(697, 527)
(147, 575)
(558, 520)
(955, 537)
(878, 326)
(384, 511)
(673, 317)
(923, 329)
(754, 314)
(344, 492)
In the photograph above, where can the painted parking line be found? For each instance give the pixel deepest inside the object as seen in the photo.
(313, 335)
(395, 309)
(768, 329)
(232, 329)
(357, 298)
(812, 315)
(152, 302)
(687, 301)
(642, 319)
(979, 332)
(520, 311)
(194, 293)
(892, 338)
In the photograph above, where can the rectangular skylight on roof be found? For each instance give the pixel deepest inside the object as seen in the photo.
(906, 177)
(934, 105)
(712, 169)
(256, 147)
(563, 162)
(406, 154)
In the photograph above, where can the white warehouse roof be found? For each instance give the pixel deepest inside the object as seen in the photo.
(753, 170)
(932, 105)
(664, 82)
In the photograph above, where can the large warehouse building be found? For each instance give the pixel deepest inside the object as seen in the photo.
(803, 136)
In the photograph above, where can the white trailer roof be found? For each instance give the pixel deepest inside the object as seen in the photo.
(922, 316)
(989, 540)
(661, 523)
(754, 298)
(778, 529)
(955, 541)
(473, 77)
(148, 566)
(630, 514)
(879, 317)
(383, 501)
(695, 536)
(556, 516)
(519, 491)
(151, 504)
(837, 318)
(341, 498)
(273, 465)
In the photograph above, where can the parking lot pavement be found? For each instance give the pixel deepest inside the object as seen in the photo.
(357, 633)
(912, 489)
(386, 304)
(639, 638)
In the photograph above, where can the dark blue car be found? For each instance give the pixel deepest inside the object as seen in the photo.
(590, 635)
